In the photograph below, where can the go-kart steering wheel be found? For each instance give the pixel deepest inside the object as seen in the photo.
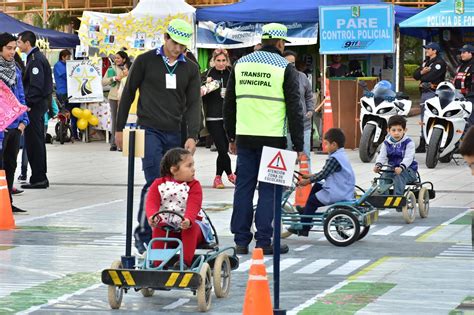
(169, 226)
(386, 169)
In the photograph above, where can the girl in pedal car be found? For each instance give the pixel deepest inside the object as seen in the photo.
(178, 191)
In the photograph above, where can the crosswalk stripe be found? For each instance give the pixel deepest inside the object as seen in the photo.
(315, 266)
(387, 230)
(285, 264)
(416, 230)
(449, 253)
(246, 265)
(302, 248)
(349, 267)
(383, 212)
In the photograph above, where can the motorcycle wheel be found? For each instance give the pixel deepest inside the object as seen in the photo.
(432, 152)
(367, 148)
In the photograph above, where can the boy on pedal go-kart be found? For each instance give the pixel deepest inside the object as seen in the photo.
(398, 151)
(338, 176)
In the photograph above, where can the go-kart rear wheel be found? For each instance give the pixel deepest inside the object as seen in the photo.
(341, 227)
(409, 209)
(115, 294)
(221, 276)
(364, 230)
(424, 202)
(147, 292)
(204, 291)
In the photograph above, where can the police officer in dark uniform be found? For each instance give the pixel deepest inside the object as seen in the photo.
(464, 79)
(38, 84)
(430, 73)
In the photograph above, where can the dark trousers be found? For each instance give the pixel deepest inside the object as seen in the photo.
(312, 204)
(24, 157)
(35, 146)
(216, 129)
(269, 198)
(11, 146)
(157, 142)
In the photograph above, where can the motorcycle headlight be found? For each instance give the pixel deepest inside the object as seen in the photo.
(367, 107)
(451, 113)
(432, 109)
(384, 110)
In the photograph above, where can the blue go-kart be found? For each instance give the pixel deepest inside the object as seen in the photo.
(163, 269)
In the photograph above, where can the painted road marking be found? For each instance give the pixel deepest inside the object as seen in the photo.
(416, 230)
(285, 264)
(302, 248)
(349, 267)
(246, 265)
(457, 217)
(315, 266)
(68, 211)
(383, 212)
(388, 230)
(176, 304)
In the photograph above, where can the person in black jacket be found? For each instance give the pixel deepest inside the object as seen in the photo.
(464, 79)
(213, 103)
(431, 73)
(38, 84)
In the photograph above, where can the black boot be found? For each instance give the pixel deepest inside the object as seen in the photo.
(422, 146)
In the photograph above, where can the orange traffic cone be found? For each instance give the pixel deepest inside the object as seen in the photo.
(327, 113)
(257, 296)
(7, 222)
(302, 193)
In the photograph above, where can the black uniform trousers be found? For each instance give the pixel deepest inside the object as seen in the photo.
(34, 140)
(10, 148)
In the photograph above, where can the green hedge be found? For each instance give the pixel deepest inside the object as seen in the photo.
(410, 69)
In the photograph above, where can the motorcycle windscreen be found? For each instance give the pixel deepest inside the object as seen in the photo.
(445, 96)
(383, 94)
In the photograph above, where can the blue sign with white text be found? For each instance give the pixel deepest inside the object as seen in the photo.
(357, 29)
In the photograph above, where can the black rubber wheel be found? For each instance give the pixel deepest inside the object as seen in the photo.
(432, 152)
(341, 227)
(364, 230)
(367, 149)
(61, 133)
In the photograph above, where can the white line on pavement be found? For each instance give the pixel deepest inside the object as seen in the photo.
(349, 267)
(302, 248)
(415, 231)
(42, 272)
(457, 217)
(311, 301)
(68, 211)
(315, 266)
(383, 212)
(59, 299)
(285, 264)
(387, 230)
(176, 304)
(246, 265)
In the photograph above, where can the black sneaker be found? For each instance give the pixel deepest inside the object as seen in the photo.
(113, 148)
(268, 250)
(298, 232)
(16, 191)
(241, 250)
(22, 179)
(300, 209)
(17, 210)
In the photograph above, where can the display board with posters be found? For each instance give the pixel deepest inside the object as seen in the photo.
(84, 81)
(357, 29)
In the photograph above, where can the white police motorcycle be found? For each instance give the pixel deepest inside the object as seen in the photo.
(444, 123)
(377, 106)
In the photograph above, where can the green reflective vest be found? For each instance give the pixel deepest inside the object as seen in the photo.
(261, 108)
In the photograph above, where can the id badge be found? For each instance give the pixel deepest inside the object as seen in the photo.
(170, 81)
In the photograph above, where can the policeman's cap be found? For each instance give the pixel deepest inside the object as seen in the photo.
(432, 45)
(467, 48)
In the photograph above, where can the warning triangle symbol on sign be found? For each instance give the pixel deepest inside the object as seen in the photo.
(277, 162)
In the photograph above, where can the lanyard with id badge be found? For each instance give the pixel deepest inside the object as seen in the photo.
(170, 76)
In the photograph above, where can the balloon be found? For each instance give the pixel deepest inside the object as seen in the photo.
(86, 114)
(82, 124)
(93, 120)
(77, 112)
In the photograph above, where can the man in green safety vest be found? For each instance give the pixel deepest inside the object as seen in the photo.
(262, 100)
